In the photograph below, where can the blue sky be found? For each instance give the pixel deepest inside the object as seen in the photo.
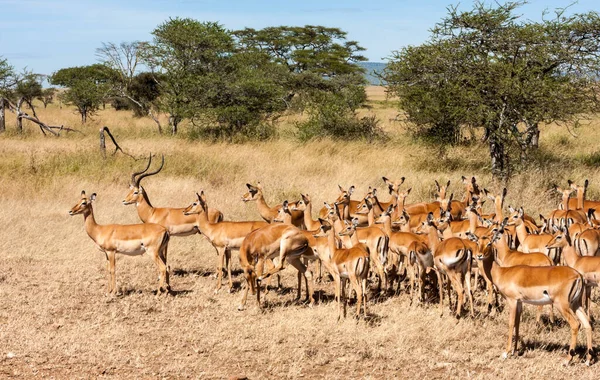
(46, 35)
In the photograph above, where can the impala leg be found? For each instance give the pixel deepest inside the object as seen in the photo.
(162, 270)
(517, 324)
(221, 253)
(588, 333)
(228, 263)
(303, 272)
(512, 316)
(338, 294)
(574, 322)
(441, 290)
(469, 292)
(249, 276)
(112, 281)
(457, 284)
(364, 292)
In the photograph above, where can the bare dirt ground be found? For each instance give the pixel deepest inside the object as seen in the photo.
(57, 322)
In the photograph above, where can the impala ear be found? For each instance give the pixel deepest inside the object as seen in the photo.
(504, 222)
(93, 197)
(430, 218)
(374, 191)
(83, 193)
(327, 206)
(450, 199)
(511, 208)
(385, 180)
(464, 179)
(284, 205)
(448, 184)
(355, 222)
(521, 212)
(259, 186)
(351, 190)
(473, 180)
(408, 191)
(341, 188)
(570, 183)
(437, 185)
(585, 185)
(504, 192)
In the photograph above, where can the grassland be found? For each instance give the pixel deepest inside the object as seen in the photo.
(56, 321)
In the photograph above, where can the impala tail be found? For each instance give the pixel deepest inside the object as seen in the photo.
(575, 293)
(461, 256)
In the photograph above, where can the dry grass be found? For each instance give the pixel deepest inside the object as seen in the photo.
(57, 322)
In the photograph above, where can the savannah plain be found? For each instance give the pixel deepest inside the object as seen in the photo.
(56, 320)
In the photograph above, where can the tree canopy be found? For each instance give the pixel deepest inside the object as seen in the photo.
(489, 68)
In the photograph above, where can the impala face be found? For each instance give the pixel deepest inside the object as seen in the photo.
(252, 194)
(402, 219)
(197, 207)
(345, 195)
(83, 204)
(283, 213)
(133, 195)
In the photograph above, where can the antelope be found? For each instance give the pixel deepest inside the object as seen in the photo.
(374, 239)
(565, 215)
(509, 258)
(255, 193)
(305, 206)
(559, 286)
(130, 240)
(281, 241)
(344, 264)
(452, 258)
(457, 208)
(224, 236)
(588, 267)
(580, 203)
(421, 259)
(393, 187)
(398, 246)
(173, 219)
(345, 204)
(529, 243)
(498, 199)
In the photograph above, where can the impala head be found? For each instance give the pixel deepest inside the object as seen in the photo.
(136, 192)
(477, 202)
(84, 204)
(344, 197)
(516, 216)
(198, 206)
(403, 219)
(364, 206)
(302, 204)
(333, 213)
(401, 195)
(349, 227)
(393, 186)
(484, 243)
(579, 189)
(254, 192)
(284, 214)
(561, 239)
(326, 226)
(385, 216)
(471, 186)
(591, 217)
(441, 190)
(446, 204)
(498, 199)
(565, 193)
(427, 225)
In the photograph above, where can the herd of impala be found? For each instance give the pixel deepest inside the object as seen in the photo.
(431, 244)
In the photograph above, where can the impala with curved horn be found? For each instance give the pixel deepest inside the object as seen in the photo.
(173, 219)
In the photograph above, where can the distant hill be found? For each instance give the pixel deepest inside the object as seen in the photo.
(372, 68)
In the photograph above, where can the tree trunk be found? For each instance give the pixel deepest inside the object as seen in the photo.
(2, 116)
(19, 123)
(174, 121)
(83, 117)
(499, 158)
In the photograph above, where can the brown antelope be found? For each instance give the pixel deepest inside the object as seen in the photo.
(579, 202)
(374, 239)
(305, 206)
(510, 258)
(255, 193)
(398, 245)
(588, 267)
(559, 286)
(564, 215)
(224, 236)
(421, 261)
(530, 243)
(452, 258)
(130, 240)
(173, 219)
(459, 228)
(345, 206)
(498, 199)
(344, 264)
(457, 208)
(282, 241)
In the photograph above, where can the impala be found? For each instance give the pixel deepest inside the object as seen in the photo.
(564, 215)
(580, 203)
(345, 205)
(589, 267)
(529, 243)
(173, 219)
(452, 257)
(559, 286)
(498, 205)
(281, 241)
(130, 240)
(305, 206)
(374, 239)
(255, 193)
(346, 264)
(224, 236)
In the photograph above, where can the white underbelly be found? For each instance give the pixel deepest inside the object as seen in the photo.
(130, 248)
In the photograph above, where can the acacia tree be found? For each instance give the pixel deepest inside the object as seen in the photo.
(87, 87)
(489, 68)
(47, 96)
(138, 88)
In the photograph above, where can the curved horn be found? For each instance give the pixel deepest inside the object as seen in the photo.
(151, 173)
(133, 180)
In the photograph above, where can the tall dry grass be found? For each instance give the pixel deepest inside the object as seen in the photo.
(56, 322)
